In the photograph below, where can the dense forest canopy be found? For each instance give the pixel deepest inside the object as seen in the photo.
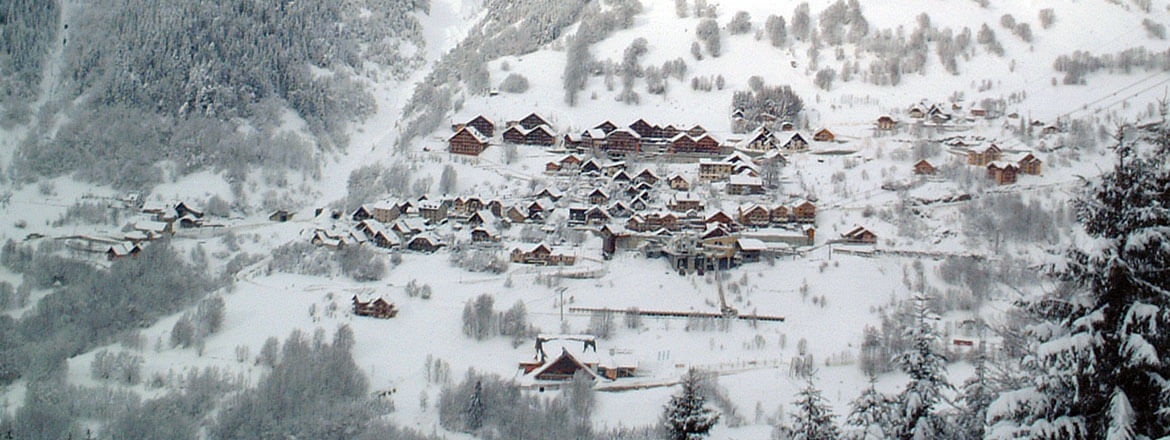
(183, 77)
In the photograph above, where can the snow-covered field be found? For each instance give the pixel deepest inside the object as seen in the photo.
(851, 288)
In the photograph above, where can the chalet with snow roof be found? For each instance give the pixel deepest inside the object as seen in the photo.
(749, 249)
(1029, 164)
(424, 243)
(408, 227)
(744, 184)
(643, 129)
(805, 211)
(483, 217)
(324, 238)
(715, 169)
(646, 176)
(122, 250)
(885, 122)
(685, 202)
(780, 214)
(619, 209)
(541, 254)
(598, 197)
(280, 215)
(433, 212)
(515, 215)
(1003, 173)
(378, 308)
(981, 158)
(532, 121)
(923, 168)
(484, 234)
(559, 357)
(623, 141)
(678, 182)
(540, 135)
(916, 111)
(622, 176)
(795, 142)
(755, 215)
(824, 135)
(467, 141)
(515, 135)
(696, 131)
(859, 234)
(482, 124)
(361, 213)
(597, 216)
(606, 127)
(758, 141)
(682, 143)
(591, 166)
(577, 214)
(550, 193)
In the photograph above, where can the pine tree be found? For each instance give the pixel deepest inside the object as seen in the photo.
(974, 398)
(869, 415)
(686, 416)
(1101, 360)
(916, 414)
(813, 418)
(475, 407)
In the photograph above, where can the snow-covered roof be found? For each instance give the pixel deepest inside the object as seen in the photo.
(744, 179)
(751, 244)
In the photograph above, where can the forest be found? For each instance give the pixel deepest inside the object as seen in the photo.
(204, 84)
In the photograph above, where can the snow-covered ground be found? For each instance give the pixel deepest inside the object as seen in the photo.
(848, 189)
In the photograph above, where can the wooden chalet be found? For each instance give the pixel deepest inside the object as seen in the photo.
(706, 144)
(619, 209)
(795, 142)
(750, 249)
(758, 141)
(860, 234)
(540, 135)
(378, 308)
(715, 169)
(597, 216)
(424, 243)
(591, 166)
(570, 161)
(515, 215)
(646, 176)
(719, 217)
(541, 254)
(496, 207)
(981, 158)
(622, 176)
(606, 127)
(923, 167)
(484, 125)
(483, 217)
(598, 197)
(696, 131)
(824, 135)
(678, 182)
(1003, 173)
(755, 215)
(122, 250)
(805, 211)
(643, 129)
(979, 112)
(885, 122)
(780, 214)
(326, 239)
(916, 111)
(467, 141)
(682, 143)
(624, 141)
(362, 213)
(515, 135)
(550, 193)
(1029, 164)
(484, 233)
(532, 121)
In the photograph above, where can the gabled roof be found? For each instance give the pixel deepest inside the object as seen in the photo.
(751, 244)
(479, 137)
(628, 131)
(744, 179)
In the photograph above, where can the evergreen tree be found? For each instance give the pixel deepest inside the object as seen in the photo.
(475, 408)
(686, 416)
(869, 415)
(916, 414)
(974, 398)
(1101, 359)
(813, 418)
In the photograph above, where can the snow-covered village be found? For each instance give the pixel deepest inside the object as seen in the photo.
(590, 219)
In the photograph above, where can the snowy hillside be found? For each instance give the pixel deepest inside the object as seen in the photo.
(339, 185)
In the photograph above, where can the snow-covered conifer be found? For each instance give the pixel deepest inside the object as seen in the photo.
(870, 415)
(686, 416)
(812, 418)
(916, 414)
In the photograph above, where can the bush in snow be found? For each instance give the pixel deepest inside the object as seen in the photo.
(122, 367)
(775, 28)
(741, 23)
(1047, 17)
(514, 83)
(708, 33)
